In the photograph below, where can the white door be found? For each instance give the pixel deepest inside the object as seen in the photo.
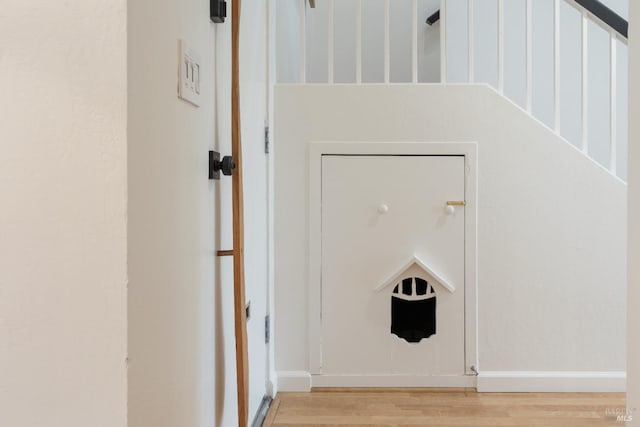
(378, 212)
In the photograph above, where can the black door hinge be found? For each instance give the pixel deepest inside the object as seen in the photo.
(267, 329)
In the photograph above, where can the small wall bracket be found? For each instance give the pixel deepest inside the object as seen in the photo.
(218, 11)
(434, 18)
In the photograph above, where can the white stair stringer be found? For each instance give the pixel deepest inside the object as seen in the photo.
(550, 129)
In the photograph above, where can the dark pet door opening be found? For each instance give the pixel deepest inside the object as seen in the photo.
(413, 310)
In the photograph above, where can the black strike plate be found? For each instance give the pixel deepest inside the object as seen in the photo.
(218, 10)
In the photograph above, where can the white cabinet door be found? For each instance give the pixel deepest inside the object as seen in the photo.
(378, 212)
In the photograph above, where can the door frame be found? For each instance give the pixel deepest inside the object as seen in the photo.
(316, 150)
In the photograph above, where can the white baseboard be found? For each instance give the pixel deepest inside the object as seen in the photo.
(292, 381)
(486, 381)
(561, 381)
(435, 381)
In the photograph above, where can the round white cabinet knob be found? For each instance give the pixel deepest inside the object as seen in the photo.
(383, 209)
(450, 210)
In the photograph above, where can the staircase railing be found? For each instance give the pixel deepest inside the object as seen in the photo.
(591, 11)
(606, 17)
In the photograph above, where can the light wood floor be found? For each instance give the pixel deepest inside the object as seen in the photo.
(451, 407)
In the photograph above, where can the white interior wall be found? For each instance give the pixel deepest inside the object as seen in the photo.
(372, 42)
(550, 225)
(633, 365)
(621, 7)
(63, 273)
(181, 327)
(253, 102)
(180, 351)
(287, 43)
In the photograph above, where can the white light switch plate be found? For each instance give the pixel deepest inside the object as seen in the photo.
(190, 68)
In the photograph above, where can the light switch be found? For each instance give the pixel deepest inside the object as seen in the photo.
(189, 74)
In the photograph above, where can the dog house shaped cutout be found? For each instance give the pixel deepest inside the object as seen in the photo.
(414, 300)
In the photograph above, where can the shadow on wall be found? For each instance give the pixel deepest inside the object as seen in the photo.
(219, 346)
(220, 373)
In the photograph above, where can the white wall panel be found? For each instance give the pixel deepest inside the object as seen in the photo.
(551, 222)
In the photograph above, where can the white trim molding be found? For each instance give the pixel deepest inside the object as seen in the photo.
(393, 381)
(315, 152)
(294, 381)
(553, 381)
(415, 260)
(485, 382)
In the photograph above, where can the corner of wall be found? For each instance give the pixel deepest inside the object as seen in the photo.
(633, 295)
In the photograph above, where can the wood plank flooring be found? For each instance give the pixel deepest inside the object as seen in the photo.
(443, 407)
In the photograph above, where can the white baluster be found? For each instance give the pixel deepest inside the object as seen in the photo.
(470, 51)
(414, 41)
(330, 41)
(585, 83)
(443, 41)
(556, 66)
(303, 47)
(359, 42)
(529, 56)
(501, 46)
(386, 42)
(613, 94)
